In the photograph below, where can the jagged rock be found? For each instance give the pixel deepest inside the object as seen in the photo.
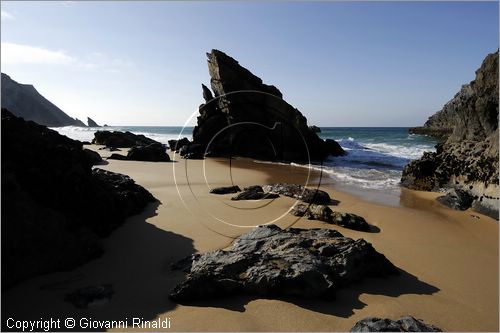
(91, 123)
(404, 324)
(23, 100)
(54, 206)
(300, 192)
(350, 220)
(225, 190)
(254, 192)
(154, 152)
(83, 297)
(315, 128)
(245, 117)
(121, 139)
(176, 145)
(92, 156)
(268, 261)
(456, 199)
(333, 148)
(468, 159)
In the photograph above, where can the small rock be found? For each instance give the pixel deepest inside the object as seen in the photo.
(92, 156)
(225, 190)
(350, 221)
(456, 199)
(300, 192)
(118, 157)
(313, 212)
(154, 152)
(254, 192)
(404, 324)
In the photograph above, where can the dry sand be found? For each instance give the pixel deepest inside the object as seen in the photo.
(449, 259)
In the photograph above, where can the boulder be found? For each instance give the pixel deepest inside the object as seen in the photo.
(268, 261)
(119, 157)
(245, 117)
(254, 192)
(154, 152)
(350, 221)
(300, 192)
(55, 207)
(225, 190)
(176, 145)
(313, 212)
(456, 199)
(192, 151)
(92, 156)
(83, 297)
(404, 324)
(120, 139)
(467, 158)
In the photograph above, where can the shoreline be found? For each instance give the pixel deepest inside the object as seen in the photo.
(449, 261)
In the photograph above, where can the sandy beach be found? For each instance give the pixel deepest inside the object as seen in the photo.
(448, 259)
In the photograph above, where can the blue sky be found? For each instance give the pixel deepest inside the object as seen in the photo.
(341, 64)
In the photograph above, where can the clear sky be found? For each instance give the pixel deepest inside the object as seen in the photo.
(341, 64)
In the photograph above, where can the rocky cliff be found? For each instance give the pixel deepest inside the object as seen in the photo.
(55, 207)
(91, 122)
(23, 100)
(245, 117)
(468, 159)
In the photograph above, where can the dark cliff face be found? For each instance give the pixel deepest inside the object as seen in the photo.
(23, 100)
(54, 205)
(245, 117)
(91, 122)
(468, 159)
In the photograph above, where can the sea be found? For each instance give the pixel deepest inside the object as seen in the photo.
(374, 161)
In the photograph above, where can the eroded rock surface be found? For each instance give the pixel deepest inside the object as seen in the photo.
(404, 324)
(121, 139)
(309, 263)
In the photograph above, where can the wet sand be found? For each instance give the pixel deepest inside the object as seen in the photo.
(448, 259)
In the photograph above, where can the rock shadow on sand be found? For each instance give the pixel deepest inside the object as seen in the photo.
(346, 299)
(136, 263)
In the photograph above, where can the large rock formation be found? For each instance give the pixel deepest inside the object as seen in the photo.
(310, 263)
(23, 100)
(246, 117)
(91, 122)
(468, 159)
(54, 206)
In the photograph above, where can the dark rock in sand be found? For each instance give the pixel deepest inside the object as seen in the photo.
(119, 157)
(92, 156)
(91, 123)
(468, 159)
(154, 152)
(350, 220)
(176, 145)
(404, 324)
(54, 206)
(313, 212)
(245, 117)
(225, 190)
(268, 261)
(192, 151)
(121, 139)
(456, 199)
(300, 192)
(254, 192)
(110, 148)
(83, 297)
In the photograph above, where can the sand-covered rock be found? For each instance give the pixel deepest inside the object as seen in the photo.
(245, 117)
(468, 159)
(309, 263)
(403, 324)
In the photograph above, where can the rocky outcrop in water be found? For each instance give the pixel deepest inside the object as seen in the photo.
(91, 123)
(468, 159)
(55, 207)
(121, 139)
(268, 261)
(403, 324)
(23, 100)
(245, 117)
